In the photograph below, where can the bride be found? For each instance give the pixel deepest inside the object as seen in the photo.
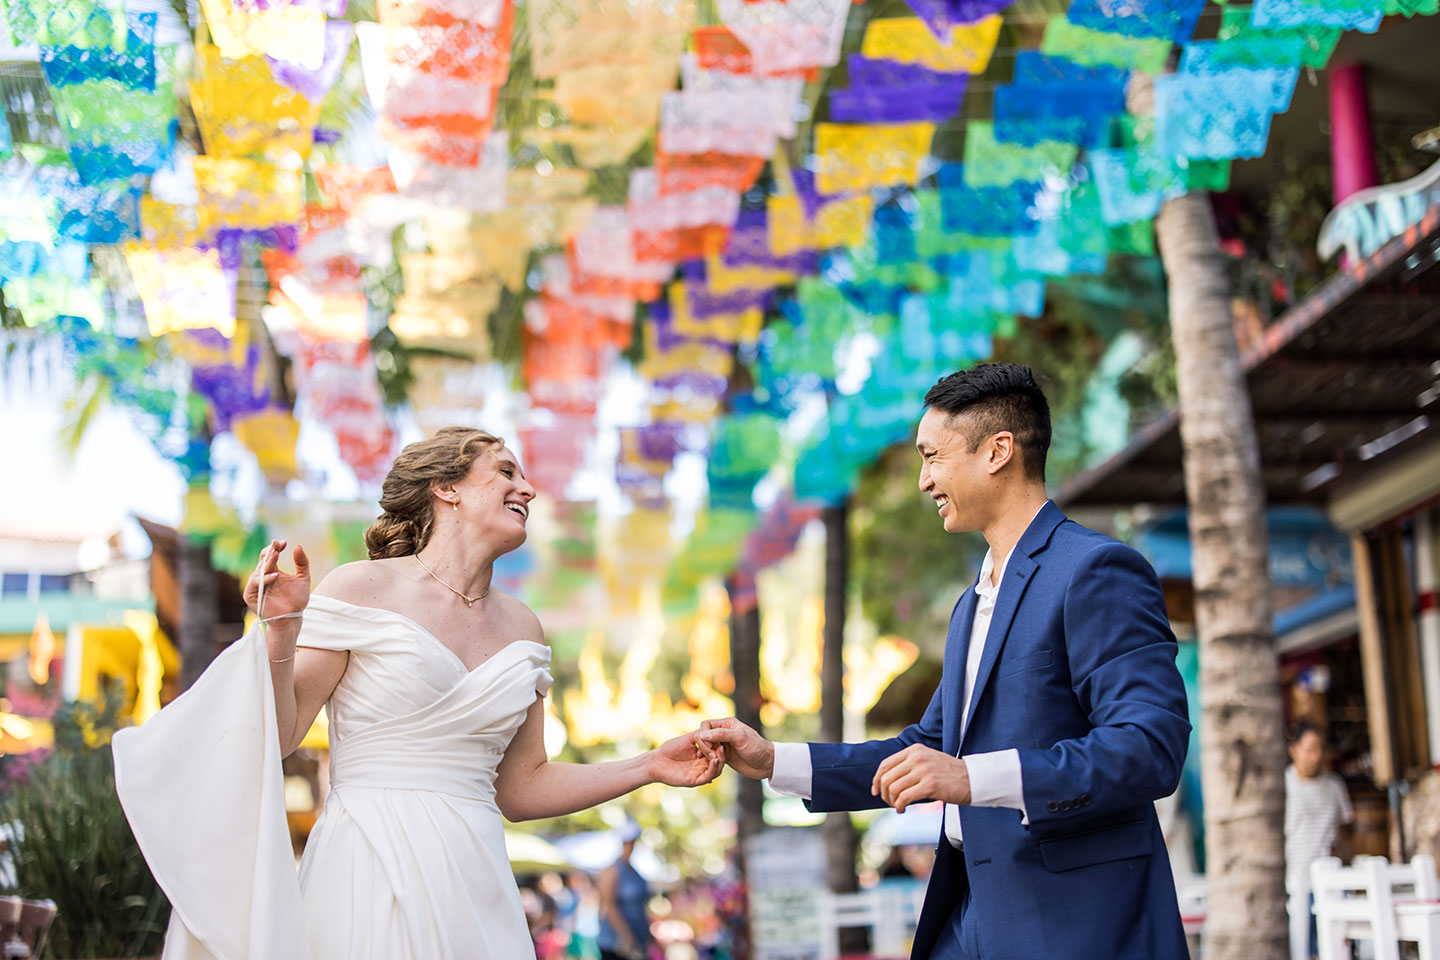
(435, 687)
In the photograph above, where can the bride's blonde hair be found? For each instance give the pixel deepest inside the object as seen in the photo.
(407, 496)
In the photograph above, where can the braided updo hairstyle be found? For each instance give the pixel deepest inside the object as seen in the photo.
(407, 497)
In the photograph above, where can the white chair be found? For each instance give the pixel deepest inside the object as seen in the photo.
(1378, 902)
(889, 912)
(1190, 892)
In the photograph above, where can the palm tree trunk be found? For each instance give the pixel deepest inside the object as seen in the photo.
(745, 668)
(1241, 740)
(838, 831)
(199, 609)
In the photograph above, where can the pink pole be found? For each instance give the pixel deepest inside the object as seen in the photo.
(1352, 145)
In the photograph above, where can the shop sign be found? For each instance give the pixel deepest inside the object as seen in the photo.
(786, 878)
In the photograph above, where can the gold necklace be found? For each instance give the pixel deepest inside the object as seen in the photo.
(469, 601)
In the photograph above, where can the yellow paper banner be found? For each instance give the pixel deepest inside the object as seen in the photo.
(245, 194)
(286, 32)
(616, 96)
(858, 156)
(592, 147)
(566, 34)
(446, 392)
(455, 318)
(742, 327)
(908, 40)
(243, 110)
(271, 436)
(182, 289)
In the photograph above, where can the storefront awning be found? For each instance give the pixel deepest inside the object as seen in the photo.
(1341, 383)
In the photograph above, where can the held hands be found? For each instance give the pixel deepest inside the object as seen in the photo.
(748, 753)
(919, 773)
(686, 761)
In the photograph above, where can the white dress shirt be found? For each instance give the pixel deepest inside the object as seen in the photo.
(995, 779)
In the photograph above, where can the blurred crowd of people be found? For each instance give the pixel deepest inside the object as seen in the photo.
(697, 919)
(615, 914)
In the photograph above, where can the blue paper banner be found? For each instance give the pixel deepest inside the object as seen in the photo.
(985, 211)
(27, 258)
(1165, 19)
(1270, 14)
(134, 66)
(894, 235)
(1053, 98)
(1212, 117)
(1070, 238)
(1207, 58)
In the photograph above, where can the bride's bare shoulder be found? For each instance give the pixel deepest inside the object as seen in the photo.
(364, 582)
(525, 625)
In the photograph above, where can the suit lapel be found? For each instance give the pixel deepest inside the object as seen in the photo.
(957, 648)
(1019, 571)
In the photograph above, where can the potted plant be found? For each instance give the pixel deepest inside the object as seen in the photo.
(69, 842)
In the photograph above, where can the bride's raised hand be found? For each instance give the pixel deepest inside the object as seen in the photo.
(285, 593)
(686, 761)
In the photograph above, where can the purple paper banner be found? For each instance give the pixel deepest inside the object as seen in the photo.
(703, 303)
(943, 16)
(749, 246)
(231, 391)
(863, 71)
(231, 242)
(662, 329)
(897, 104)
(314, 84)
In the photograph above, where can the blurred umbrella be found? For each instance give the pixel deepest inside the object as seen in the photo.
(531, 854)
(918, 826)
(594, 850)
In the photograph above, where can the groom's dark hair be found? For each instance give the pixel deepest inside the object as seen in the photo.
(999, 396)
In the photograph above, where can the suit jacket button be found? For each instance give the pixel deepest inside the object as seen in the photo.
(1052, 806)
(1085, 800)
(1064, 806)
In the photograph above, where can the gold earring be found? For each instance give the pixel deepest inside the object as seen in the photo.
(454, 504)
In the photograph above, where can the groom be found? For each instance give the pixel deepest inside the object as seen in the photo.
(1060, 716)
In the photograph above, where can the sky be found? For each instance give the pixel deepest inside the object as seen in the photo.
(115, 473)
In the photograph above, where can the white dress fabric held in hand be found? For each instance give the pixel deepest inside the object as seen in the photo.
(410, 839)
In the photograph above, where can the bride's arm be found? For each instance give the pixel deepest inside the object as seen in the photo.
(530, 786)
(302, 686)
(303, 677)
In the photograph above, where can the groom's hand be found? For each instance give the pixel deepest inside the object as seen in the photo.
(919, 773)
(747, 753)
(686, 761)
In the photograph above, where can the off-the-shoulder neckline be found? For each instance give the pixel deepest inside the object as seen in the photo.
(427, 634)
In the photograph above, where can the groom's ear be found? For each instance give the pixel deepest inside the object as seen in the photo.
(1001, 450)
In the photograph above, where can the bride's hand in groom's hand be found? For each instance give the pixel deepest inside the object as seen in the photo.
(917, 774)
(750, 754)
(686, 761)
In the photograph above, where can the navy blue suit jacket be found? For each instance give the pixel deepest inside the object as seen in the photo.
(1078, 675)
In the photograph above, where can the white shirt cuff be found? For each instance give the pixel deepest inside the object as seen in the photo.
(994, 780)
(791, 774)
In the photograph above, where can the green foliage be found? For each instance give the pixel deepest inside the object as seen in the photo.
(75, 847)
(1151, 386)
(909, 571)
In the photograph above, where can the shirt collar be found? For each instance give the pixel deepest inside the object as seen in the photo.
(983, 586)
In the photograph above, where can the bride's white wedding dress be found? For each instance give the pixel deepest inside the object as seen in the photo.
(407, 859)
